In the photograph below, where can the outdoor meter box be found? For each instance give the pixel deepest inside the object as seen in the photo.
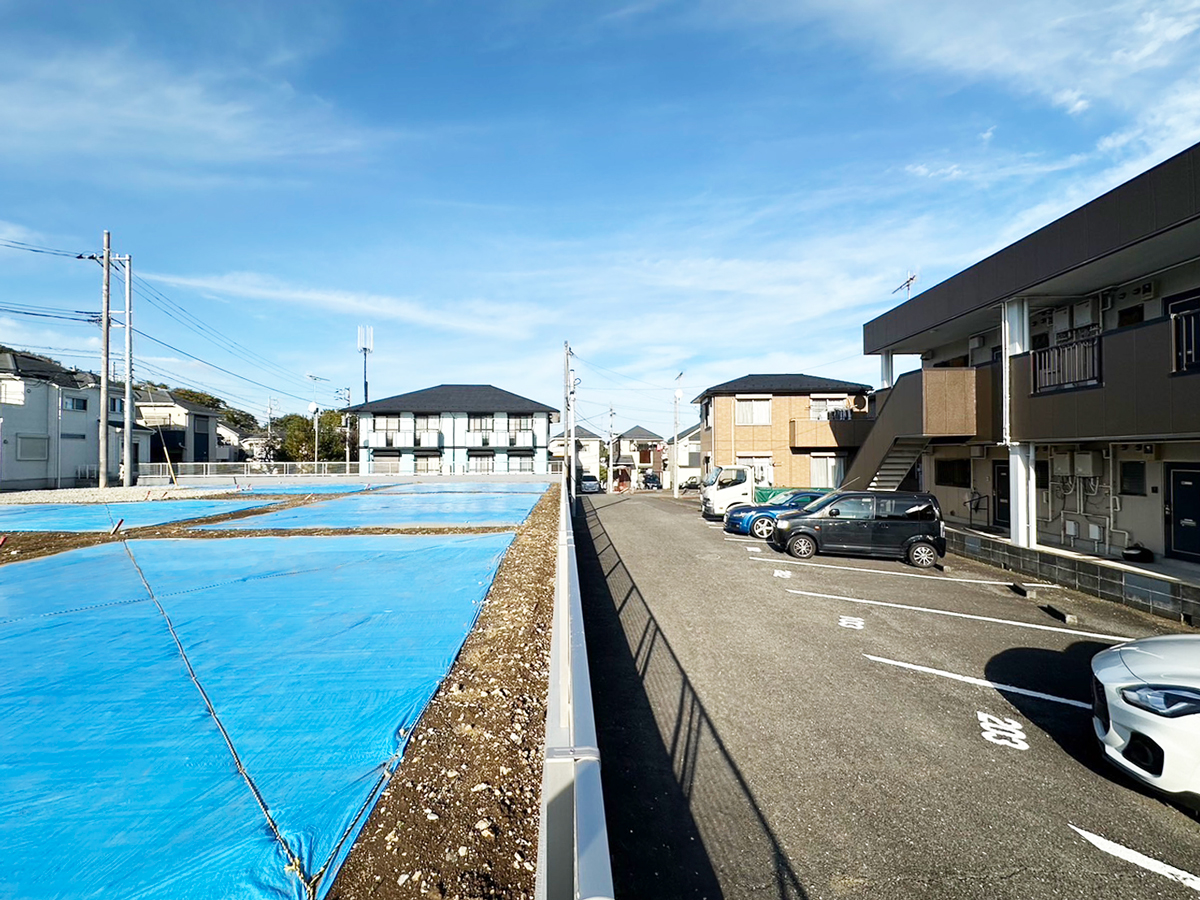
(1061, 466)
(1088, 464)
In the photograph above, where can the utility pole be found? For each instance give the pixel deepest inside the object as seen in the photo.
(568, 447)
(102, 475)
(343, 394)
(127, 462)
(366, 344)
(271, 407)
(315, 410)
(675, 446)
(612, 459)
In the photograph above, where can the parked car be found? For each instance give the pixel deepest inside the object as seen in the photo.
(590, 484)
(691, 484)
(759, 520)
(1146, 711)
(651, 481)
(897, 524)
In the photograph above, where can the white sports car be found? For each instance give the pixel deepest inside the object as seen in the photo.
(1146, 710)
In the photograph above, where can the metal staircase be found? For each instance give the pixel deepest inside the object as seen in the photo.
(898, 463)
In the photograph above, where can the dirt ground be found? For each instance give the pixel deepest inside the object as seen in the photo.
(459, 818)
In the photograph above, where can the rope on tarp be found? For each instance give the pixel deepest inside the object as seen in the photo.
(295, 864)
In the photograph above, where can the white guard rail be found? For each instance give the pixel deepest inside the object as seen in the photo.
(573, 857)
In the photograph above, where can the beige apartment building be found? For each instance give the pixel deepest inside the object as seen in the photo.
(794, 430)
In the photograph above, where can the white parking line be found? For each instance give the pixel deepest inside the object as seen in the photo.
(744, 541)
(944, 612)
(796, 562)
(981, 682)
(1153, 865)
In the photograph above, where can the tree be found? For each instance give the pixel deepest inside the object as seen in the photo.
(238, 418)
(296, 437)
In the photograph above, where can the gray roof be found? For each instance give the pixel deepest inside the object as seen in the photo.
(468, 398)
(685, 434)
(158, 395)
(581, 434)
(638, 433)
(784, 384)
(42, 368)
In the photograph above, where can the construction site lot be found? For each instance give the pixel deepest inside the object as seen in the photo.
(319, 710)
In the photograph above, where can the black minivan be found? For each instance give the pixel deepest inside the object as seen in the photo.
(897, 524)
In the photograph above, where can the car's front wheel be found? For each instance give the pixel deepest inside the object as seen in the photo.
(922, 554)
(802, 546)
(762, 527)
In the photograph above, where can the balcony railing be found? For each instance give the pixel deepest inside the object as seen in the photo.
(1185, 341)
(1072, 365)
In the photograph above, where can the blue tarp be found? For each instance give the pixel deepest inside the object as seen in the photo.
(266, 487)
(103, 516)
(386, 510)
(470, 487)
(317, 653)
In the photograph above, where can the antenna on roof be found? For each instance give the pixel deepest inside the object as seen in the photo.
(907, 285)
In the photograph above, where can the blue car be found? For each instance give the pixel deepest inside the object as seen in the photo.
(760, 520)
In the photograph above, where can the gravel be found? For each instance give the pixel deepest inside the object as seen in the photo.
(105, 495)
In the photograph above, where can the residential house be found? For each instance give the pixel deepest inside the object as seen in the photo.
(181, 431)
(1058, 398)
(638, 451)
(234, 444)
(587, 448)
(455, 429)
(50, 425)
(687, 445)
(794, 430)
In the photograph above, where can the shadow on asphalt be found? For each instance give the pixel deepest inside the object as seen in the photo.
(1066, 673)
(682, 821)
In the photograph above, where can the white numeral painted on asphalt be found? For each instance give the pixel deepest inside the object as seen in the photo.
(783, 573)
(851, 622)
(1004, 732)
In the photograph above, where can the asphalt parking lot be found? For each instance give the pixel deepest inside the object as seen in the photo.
(831, 728)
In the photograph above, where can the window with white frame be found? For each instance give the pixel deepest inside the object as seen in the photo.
(482, 464)
(753, 412)
(116, 405)
(78, 404)
(12, 392)
(481, 422)
(426, 422)
(520, 464)
(520, 423)
(386, 423)
(818, 411)
(826, 471)
(429, 465)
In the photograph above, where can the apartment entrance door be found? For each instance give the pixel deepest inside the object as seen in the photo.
(1000, 495)
(1183, 513)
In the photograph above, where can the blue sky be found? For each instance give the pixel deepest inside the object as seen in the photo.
(713, 188)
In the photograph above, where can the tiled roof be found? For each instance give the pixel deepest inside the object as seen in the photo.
(685, 434)
(581, 434)
(638, 433)
(784, 384)
(468, 398)
(41, 368)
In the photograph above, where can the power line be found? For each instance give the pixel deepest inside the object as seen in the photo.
(33, 248)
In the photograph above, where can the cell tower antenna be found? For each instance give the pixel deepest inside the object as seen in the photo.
(366, 344)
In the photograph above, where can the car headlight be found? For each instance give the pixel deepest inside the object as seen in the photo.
(1163, 700)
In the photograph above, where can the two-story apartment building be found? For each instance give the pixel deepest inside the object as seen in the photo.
(1059, 393)
(638, 451)
(455, 429)
(50, 424)
(795, 430)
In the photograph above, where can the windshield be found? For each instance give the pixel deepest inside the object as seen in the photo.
(822, 502)
(711, 477)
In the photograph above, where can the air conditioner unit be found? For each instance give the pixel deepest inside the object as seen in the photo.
(978, 451)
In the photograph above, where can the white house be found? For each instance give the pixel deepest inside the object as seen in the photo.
(454, 429)
(587, 447)
(181, 431)
(687, 445)
(50, 425)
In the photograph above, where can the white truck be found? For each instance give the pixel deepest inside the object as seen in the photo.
(727, 486)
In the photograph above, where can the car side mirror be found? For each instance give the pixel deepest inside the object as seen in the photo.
(833, 513)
